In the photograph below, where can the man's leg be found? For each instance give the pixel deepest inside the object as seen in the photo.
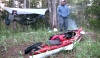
(65, 24)
(61, 23)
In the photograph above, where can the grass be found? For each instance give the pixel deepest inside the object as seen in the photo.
(85, 49)
(88, 49)
(7, 37)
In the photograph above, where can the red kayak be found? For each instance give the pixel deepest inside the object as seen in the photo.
(65, 38)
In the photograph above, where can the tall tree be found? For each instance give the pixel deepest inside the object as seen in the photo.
(24, 3)
(52, 5)
(29, 3)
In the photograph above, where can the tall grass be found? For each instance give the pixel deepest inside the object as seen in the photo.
(3, 43)
(88, 48)
(22, 37)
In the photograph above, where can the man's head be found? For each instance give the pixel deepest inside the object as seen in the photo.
(62, 2)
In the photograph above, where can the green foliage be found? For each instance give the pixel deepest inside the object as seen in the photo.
(3, 14)
(24, 37)
(70, 2)
(44, 4)
(88, 49)
(82, 1)
(94, 9)
(73, 16)
(94, 24)
(34, 2)
(93, 12)
(40, 23)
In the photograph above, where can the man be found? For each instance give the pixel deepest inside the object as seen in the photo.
(63, 12)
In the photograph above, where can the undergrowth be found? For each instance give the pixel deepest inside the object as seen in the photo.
(88, 48)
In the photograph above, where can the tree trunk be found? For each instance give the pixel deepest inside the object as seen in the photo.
(54, 18)
(29, 3)
(52, 13)
(18, 3)
(0, 15)
(13, 23)
(24, 3)
(13, 3)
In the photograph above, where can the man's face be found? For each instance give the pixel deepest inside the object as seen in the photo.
(63, 2)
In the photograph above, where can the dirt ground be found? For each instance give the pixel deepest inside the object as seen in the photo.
(14, 51)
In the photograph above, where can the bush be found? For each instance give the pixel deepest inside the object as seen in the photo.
(40, 23)
(94, 24)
